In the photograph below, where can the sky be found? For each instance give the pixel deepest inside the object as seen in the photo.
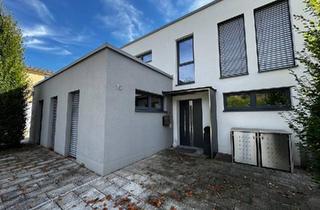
(57, 32)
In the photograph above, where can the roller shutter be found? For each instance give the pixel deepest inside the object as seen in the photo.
(232, 47)
(274, 36)
(74, 125)
(54, 119)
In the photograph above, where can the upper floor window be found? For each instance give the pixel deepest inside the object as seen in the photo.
(146, 57)
(148, 102)
(258, 100)
(274, 36)
(232, 47)
(185, 61)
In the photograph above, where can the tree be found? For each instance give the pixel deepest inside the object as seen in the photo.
(305, 118)
(13, 82)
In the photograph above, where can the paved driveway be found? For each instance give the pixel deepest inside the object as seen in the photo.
(36, 178)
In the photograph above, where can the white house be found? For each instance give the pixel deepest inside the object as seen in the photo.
(229, 62)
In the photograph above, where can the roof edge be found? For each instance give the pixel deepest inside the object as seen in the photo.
(172, 22)
(38, 71)
(102, 47)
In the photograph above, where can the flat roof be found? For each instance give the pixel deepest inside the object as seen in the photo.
(188, 91)
(102, 47)
(173, 22)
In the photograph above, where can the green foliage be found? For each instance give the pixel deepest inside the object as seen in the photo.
(13, 82)
(305, 119)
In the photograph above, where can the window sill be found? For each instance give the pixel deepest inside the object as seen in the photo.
(189, 83)
(150, 111)
(239, 75)
(279, 69)
(259, 110)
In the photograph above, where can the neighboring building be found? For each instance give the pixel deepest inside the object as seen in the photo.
(34, 75)
(229, 61)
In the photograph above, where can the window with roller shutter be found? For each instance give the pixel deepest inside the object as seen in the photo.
(232, 47)
(274, 36)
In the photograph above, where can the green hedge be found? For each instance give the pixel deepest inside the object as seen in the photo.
(12, 116)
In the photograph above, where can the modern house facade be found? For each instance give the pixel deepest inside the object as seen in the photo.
(242, 49)
(223, 66)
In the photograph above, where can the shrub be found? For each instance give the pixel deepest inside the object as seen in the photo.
(13, 83)
(305, 118)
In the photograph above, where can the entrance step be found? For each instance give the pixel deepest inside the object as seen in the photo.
(192, 151)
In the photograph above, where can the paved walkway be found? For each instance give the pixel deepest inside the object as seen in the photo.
(36, 178)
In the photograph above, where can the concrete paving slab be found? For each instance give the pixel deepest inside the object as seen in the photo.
(33, 177)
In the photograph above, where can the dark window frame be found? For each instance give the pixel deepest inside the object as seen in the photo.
(245, 45)
(253, 106)
(149, 108)
(291, 31)
(178, 41)
(140, 56)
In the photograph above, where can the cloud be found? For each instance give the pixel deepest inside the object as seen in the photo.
(172, 9)
(168, 9)
(36, 31)
(43, 46)
(199, 3)
(33, 42)
(125, 20)
(41, 9)
(40, 38)
(43, 38)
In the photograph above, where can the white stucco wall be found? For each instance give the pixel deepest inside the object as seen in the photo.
(131, 135)
(203, 26)
(89, 77)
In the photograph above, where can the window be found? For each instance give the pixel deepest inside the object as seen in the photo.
(185, 61)
(148, 102)
(232, 47)
(274, 36)
(258, 100)
(146, 57)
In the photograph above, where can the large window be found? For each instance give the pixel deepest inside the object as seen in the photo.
(185, 61)
(258, 100)
(148, 102)
(274, 36)
(232, 47)
(146, 57)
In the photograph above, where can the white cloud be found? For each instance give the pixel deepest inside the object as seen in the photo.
(126, 21)
(172, 9)
(33, 42)
(199, 3)
(36, 31)
(50, 49)
(38, 38)
(41, 9)
(167, 9)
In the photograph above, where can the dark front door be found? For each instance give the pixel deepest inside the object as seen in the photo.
(191, 123)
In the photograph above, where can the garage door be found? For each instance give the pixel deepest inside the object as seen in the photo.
(53, 121)
(74, 124)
